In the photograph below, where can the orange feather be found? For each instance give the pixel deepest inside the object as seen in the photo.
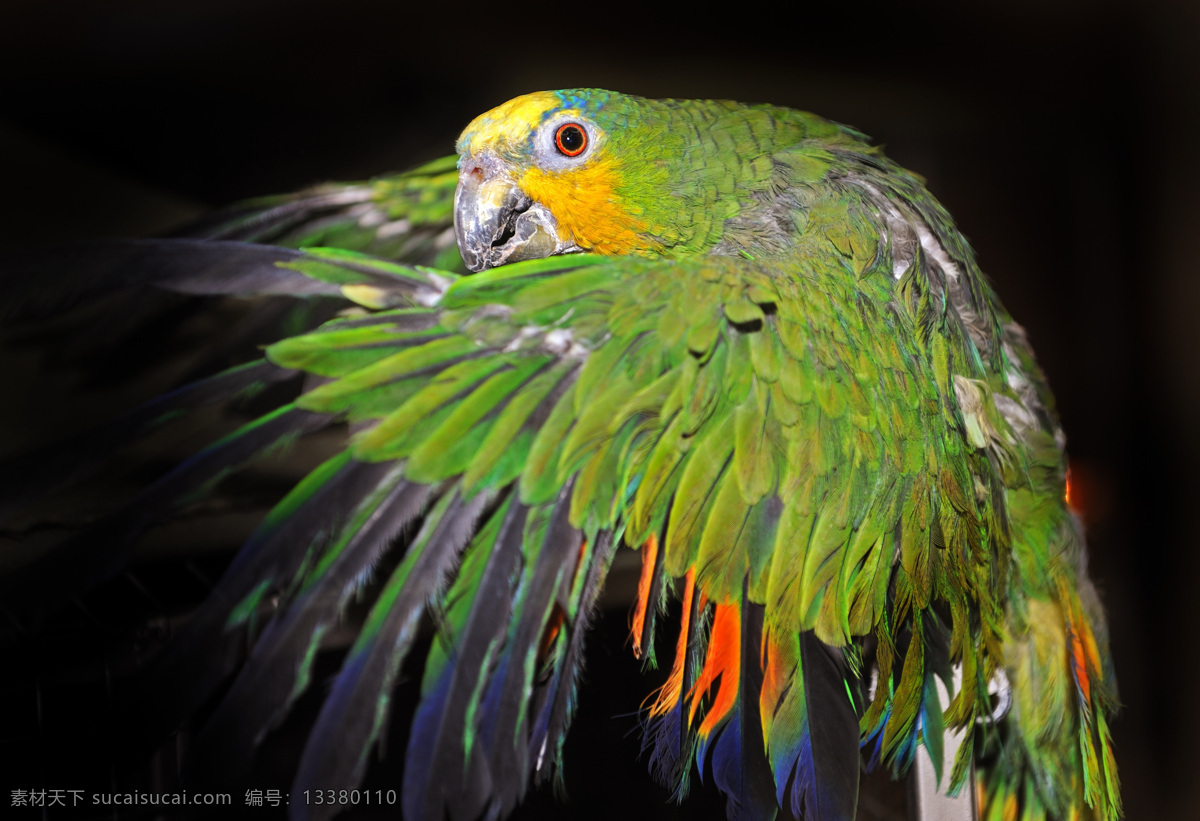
(723, 661)
(670, 693)
(649, 555)
(1080, 662)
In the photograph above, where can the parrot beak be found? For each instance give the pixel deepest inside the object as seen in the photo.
(496, 223)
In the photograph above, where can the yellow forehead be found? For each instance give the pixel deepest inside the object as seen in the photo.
(508, 124)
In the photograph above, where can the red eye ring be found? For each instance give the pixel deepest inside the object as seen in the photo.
(570, 139)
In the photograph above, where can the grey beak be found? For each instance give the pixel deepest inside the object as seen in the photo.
(496, 222)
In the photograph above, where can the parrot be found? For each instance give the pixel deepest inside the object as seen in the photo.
(737, 339)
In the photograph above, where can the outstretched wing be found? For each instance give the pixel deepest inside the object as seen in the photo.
(785, 441)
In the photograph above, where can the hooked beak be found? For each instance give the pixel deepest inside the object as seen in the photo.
(496, 222)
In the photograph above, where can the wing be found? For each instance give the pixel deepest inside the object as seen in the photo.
(809, 452)
(783, 439)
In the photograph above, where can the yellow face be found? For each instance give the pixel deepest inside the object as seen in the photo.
(558, 157)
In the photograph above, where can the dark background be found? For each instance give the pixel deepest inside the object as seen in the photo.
(1062, 136)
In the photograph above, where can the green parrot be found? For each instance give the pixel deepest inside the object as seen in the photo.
(734, 337)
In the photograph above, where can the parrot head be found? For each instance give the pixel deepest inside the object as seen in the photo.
(559, 172)
(542, 175)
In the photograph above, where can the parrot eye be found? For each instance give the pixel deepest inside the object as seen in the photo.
(570, 139)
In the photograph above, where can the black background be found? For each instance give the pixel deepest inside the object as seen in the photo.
(1062, 135)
